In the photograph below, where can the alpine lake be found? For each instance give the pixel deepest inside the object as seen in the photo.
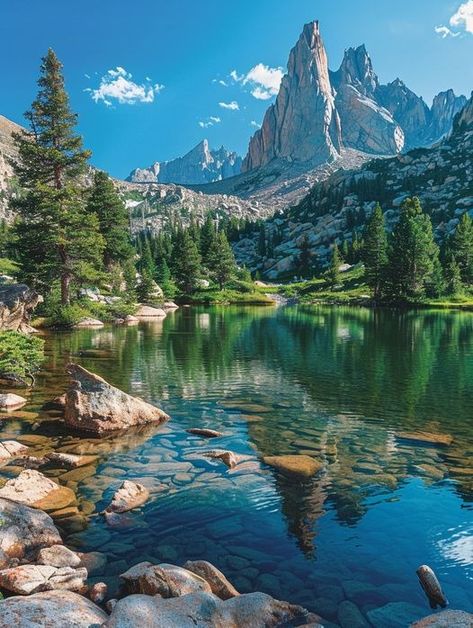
(351, 387)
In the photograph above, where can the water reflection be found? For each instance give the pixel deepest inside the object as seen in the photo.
(342, 385)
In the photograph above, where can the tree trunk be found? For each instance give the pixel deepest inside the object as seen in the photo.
(65, 289)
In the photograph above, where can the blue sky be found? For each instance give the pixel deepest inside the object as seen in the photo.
(155, 66)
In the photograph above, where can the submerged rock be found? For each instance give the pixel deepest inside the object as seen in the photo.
(24, 530)
(54, 608)
(130, 495)
(446, 619)
(301, 465)
(58, 403)
(26, 579)
(10, 401)
(206, 433)
(219, 585)
(32, 488)
(147, 311)
(227, 457)
(71, 460)
(426, 438)
(207, 611)
(96, 406)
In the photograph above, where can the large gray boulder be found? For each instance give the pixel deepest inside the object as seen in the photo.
(94, 405)
(26, 579)
(17, 303)
(54, 609)
(24, 531)
(32, 488)
(446, 619)
(253, 610)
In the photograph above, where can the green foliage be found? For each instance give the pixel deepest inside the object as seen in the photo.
(412, 254)
(453, 278)
(164, 279)
(8, 267)
(56, 237)
(221, 261)
(375, 254)
(461, 248)
(187, 267)
(20, 355)
(333, 272)
(112, 216)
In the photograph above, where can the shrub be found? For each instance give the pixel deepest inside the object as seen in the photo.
(20, 355)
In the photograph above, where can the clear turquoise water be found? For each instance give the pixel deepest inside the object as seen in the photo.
(338, 384)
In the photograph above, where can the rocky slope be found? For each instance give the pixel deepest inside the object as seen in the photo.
(200, 165)
(7, 152)
(317, 112)
(442, 176)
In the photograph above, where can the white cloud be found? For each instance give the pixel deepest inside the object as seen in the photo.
(87, 76)
(445, 32)
(463, 18)
(210, 121)
(117, 86)
(255, 124)
(234, 106)
(264, 82)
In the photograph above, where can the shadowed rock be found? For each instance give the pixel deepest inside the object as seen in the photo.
(302, 465)
(17, 303)
(130, 495)
(220, 586)
(206, 433)
(93, 405)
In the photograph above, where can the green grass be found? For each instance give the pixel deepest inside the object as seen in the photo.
(214, 296)
(8, 267)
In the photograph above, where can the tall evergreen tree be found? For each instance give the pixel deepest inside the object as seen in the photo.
(304, 261)
(113, 219)
(461, 247)
(186, 262)
(262, 241)
(164, 279)
(453, 278)
(375, 254)
(222, 261)
(57, 238)
(333, 271)
(208, 235)
(412, 253)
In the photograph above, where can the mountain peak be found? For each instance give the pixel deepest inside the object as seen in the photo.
(357, 69)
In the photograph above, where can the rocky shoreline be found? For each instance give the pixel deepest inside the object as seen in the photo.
(62, 585)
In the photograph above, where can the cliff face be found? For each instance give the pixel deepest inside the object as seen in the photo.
(317, 112)
(7, 152)
(200, 165)
(303, 124)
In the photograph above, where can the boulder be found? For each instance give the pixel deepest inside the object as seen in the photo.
(446, 619)
(98, 592)
(54, 608)
(426, 438)
(148, 311)
(58, 556)
(129, 319)
(170, 305)
(25, 530)
(300, 465)
(163, 579)
(17, 303)
(32, 488)
(58, 403)
(9, 401)
(10, 449)
(253, 610)
(27, 579)
(206, 433)
(88, 322)
(219, 585)
(130, 495)
(93, 405)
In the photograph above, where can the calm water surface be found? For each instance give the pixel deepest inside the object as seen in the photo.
(337, 384)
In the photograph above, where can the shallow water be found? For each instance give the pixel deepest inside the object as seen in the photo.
(339, 384)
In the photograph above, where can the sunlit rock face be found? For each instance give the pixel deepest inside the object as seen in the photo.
(302, 124)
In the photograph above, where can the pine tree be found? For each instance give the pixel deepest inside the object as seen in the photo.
(57, 238)
(164, 279)
(262, 242)
(208, 235)
(304, 261)
(461, 246)
(375, 254)
(453, 277)
(113, 219)
(222, 264)
(186, 262)
(333, 272)
(412, 254)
